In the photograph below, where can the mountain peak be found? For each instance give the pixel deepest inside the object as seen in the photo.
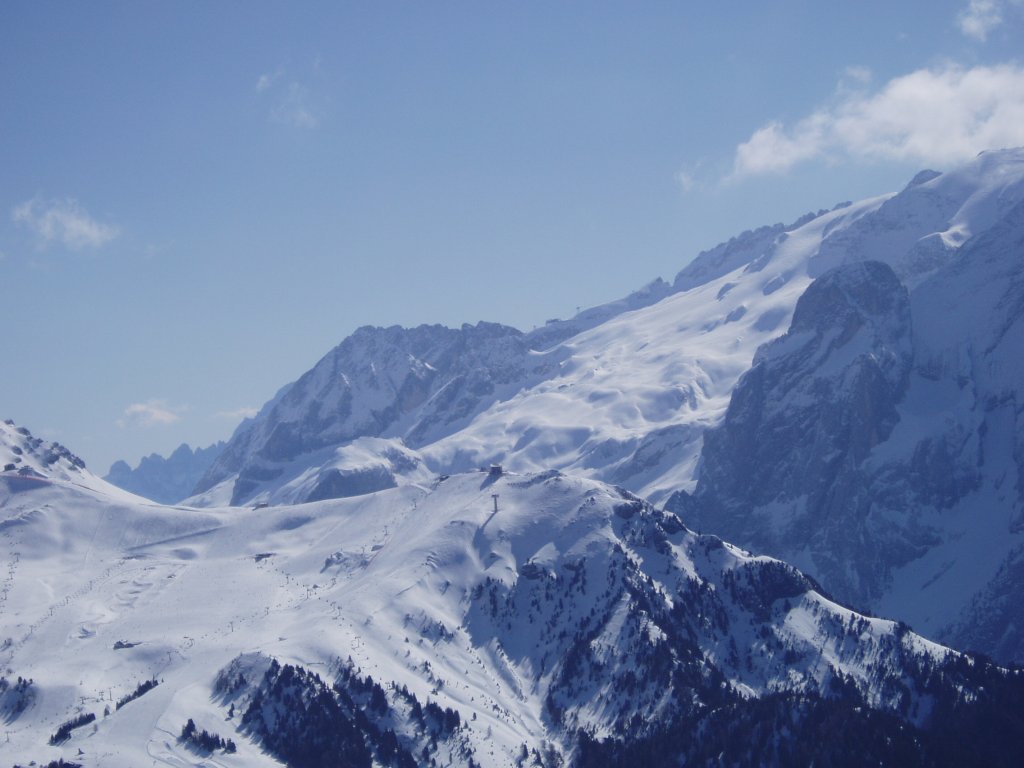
(857, 292)
(22, 452)
(923, 177)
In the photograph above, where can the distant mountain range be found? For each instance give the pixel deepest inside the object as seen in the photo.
(165, 480)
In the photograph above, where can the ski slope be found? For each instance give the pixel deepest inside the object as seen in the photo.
(103, 593)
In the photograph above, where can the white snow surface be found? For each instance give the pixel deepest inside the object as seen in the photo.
(301, 477)
(387, 579)
(633, 395)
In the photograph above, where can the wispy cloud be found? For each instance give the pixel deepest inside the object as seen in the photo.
(63, 221)
(980, 17)
(294, 108)
(855, 76)
(941, 115)
(266, 80)
(238, 414)
(152, 413)
(291, 101)
(686, 180)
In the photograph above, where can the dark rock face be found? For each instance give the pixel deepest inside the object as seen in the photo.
(802, 422)
(994, 618)
(418, 384)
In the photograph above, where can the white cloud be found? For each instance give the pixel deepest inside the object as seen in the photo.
(238, 414)
(980, 17)
(941, 115)
(772, 150)
(63, 221)
(151, 413)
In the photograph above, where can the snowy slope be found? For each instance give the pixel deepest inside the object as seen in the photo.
(575, 608)
(632, 396)
(364, 465)
(625, 399)
(28, 461)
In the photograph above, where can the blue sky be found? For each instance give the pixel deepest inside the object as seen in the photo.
(199, 200)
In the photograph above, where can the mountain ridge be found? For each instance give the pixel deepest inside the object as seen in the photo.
(540, 369)
(478, 619)
(169, 480)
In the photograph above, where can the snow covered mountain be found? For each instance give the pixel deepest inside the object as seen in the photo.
(418, 384)
(165, 480)
(800, 426)
(878, 444)
(885, 455)
(621, 392)
(30, 456)
(29, 461)
(486, 618)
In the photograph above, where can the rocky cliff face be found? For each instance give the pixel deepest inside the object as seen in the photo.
(416, 384)
(785, 469)
(878, 444)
